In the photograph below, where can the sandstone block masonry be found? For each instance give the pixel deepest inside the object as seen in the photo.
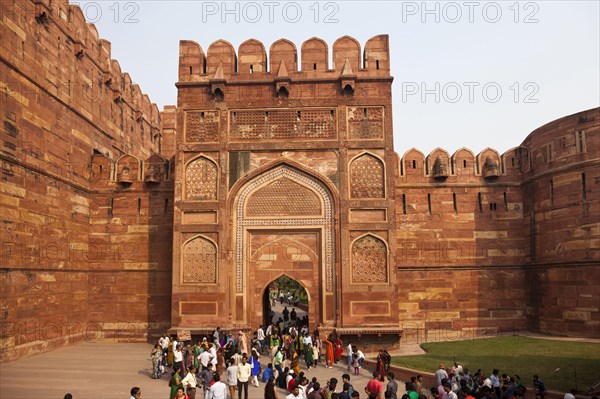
(119, 221)
(81, 249)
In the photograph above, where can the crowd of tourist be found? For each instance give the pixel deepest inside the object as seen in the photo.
(222, 368)
(457, 382)
(224, 365)
(236, 360)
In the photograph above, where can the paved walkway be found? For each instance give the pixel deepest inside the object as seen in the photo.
(278, 310)
(109, 370)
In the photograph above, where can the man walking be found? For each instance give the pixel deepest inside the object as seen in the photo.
(349, 353)
(244, 372)
(232, 378)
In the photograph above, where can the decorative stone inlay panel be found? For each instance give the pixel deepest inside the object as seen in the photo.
(365, 123)
(201, 126)
(199, 262)
(201, 180)
(367, 177)
(326, 220)
(283, 197)
(283, 124)
(369, 260)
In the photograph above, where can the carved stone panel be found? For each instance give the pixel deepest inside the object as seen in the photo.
(283, 124)
(202, 126)
(283, 197)
(199, 262)
(365, 123)
(369, 260)
(367, 177)
(201, 180)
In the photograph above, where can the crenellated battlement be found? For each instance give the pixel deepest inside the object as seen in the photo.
(221, 62)
(77, 60)
(439, 166)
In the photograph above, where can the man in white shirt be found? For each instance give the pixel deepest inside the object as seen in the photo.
(293, 331)
(440, 374)
(449, 392)
(361, 356)
(190, 382)
(213, 353)
(136, 393)
(295, 393)
(218, 390)
(260, 337)
(177, 358)
(307, 340)
(232, 378)
(304, 387)
(205, 358)
(349, 354)
(457, 369)
(164, 344)
(244, 372)
(163, 341)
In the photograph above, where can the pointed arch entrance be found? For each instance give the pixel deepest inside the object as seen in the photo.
(285, 293)
(284, 224)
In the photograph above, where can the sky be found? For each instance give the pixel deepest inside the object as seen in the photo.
(472, 74)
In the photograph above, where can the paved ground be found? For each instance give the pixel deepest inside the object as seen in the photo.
(108, 371)
(278, 310)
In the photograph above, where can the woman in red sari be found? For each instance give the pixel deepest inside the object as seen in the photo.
(381, 363)
(339, 349)
(329, 353)
(220, 360)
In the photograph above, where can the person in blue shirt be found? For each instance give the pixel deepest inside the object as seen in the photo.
(267, 373)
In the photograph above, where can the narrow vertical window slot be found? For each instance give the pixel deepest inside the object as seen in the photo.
(429, 203)
(454, 203)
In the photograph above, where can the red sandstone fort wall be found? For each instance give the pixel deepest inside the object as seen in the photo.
(561, 182)
(522, 249)
(467, 278)
(64, 99)
(477, 243)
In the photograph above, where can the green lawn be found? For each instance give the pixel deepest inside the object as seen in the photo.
(579, 363)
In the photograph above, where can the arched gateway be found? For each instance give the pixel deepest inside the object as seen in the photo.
(300, 185)
(284, 224)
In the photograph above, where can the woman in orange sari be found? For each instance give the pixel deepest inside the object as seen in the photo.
(329, 353)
